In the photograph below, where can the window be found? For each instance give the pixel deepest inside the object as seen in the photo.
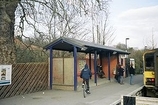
(149, 62)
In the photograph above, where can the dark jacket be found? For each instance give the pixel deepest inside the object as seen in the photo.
(86, 73)
(131, 70)
(121, 71)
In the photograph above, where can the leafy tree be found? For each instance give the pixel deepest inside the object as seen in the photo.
(138, 57)
(121, 46)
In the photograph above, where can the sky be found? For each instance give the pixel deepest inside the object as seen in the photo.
(136, 20)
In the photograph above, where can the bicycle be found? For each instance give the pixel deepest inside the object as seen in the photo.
(84, 87)
(85, 91)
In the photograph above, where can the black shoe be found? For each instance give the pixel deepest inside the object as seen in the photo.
(88, 92)
(82, 85)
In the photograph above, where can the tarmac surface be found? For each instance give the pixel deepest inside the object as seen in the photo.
(104, 93)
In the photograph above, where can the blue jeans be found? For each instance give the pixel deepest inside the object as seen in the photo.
(131, 79)
(121, 79)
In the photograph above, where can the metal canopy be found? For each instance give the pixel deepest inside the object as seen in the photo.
(67, 44)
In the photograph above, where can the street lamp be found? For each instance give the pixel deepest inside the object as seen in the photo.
(145, 47)
(126, 60)
(126, 43)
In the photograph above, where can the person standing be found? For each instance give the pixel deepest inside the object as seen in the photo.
(121, 74)
(117, 76)
(131, 72)
(86, 75)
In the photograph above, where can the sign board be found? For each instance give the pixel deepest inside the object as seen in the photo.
(132, 61)
(5, 74)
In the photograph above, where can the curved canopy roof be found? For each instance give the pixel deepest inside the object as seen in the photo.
(68, 44)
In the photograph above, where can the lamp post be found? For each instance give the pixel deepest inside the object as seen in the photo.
(145, 48)
(126, 59)
(126, 43)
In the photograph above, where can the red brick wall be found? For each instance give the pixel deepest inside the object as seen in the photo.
(79, 69)
(113, 63)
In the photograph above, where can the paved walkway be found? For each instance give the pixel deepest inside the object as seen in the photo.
(105, 93)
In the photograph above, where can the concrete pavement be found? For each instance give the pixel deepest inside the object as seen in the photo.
(105, 93)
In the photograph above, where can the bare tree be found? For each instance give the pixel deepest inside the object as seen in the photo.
(32, 13)
(151, 43)
(101, 31)
(105, 32)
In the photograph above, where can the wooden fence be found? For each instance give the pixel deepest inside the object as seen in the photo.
(26, 78)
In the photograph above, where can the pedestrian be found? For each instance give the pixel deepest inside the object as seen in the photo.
(100, 72)
(131, 72)
(86, 75)
(121, 74)
(117, 77)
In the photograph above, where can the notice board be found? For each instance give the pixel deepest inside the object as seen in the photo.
(5, 74)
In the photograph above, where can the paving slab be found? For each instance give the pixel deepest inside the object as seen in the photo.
(104, 93)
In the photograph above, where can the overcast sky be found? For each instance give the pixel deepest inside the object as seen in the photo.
(134, 19)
